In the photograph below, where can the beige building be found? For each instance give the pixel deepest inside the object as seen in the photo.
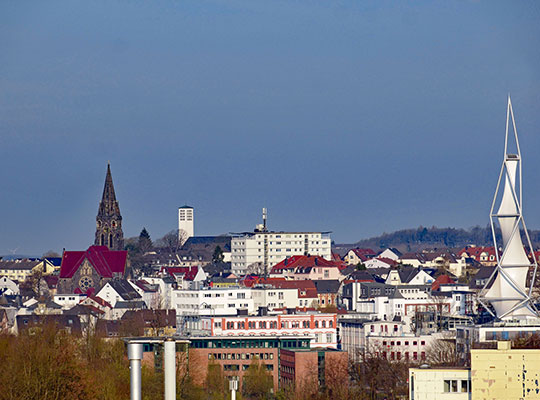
(439, 384)
(505, 373)
(20, 269)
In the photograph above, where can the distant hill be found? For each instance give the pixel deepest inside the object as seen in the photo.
(420, 238)
(9, 257)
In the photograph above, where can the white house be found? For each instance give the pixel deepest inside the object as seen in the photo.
(118, 290)
(379, 263)
(8, 287)
(67, 301)
(149, 293)
(274, 298)
(390, 253)
(165, 286)
(210, 301)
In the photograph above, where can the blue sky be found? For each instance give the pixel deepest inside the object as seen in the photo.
(354, 117)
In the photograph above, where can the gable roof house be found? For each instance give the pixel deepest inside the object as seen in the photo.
(29, 322)
(149, 293)
(485, 255)
(20, 269)
(357, 255)
(186, 277)
(327, 292)
(380, 262)
(118, 290)
(391, 253)
(408, 275)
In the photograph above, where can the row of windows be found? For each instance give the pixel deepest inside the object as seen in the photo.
(240, 356)
(405, 343)
(273, 324)
(245, 367)
(455, 386)
(272, 294)
(64, 298)
(397, 355)
(384, 328)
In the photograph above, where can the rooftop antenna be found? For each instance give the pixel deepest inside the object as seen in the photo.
(264, 215)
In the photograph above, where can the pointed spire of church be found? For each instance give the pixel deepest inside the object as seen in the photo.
(109, 220)
(108, 200)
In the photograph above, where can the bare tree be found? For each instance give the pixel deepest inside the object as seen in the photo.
(442, 351)
(172, 241)
(376, 376)
(255, 268)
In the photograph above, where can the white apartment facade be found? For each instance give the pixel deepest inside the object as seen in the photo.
(212, 301)
(275, 298)
(389, 339)
(258, 248)
(321, 327)
(440, 383)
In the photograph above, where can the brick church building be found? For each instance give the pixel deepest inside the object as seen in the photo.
(88, 271)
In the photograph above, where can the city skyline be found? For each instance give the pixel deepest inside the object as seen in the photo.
(355, 119)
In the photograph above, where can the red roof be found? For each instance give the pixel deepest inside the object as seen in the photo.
(336, 257)
(188, 272)
(388, 261)
(441, 280)
(304, 261)
(476, 251)
(364, 254)
(99, 300)
(304, 286)
(106, 262)
(51, 280)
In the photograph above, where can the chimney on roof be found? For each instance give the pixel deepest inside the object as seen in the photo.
(286, 261)
(316, 261)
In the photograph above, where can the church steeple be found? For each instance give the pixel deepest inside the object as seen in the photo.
(109, 221)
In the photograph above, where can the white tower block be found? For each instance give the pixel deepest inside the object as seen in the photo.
(508, 292)
(186, 216)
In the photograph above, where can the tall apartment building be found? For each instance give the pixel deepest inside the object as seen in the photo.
(185, 223)
(261, 248)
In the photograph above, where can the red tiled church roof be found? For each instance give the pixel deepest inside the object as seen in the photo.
(106, 262)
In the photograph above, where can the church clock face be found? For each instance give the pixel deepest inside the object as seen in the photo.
(85, 283)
